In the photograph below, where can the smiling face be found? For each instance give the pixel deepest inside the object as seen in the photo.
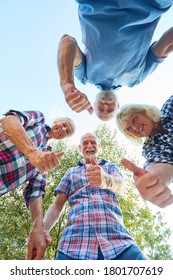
(105, 105)
(139, 125)
(89, 146)
(61, 129)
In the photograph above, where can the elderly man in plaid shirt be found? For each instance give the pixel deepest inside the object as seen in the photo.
(25, 157)
(95, 228)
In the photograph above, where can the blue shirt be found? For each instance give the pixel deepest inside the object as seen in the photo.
(159, 147)
(117, 37)
(95, 218)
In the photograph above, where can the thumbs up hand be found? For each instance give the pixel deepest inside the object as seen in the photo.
(94, 173)
(149, 185)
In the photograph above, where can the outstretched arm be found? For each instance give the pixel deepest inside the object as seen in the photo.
(69, 56)
(52, 215)
(164, 45)
(16, 133)
(153, 183)
(37, 240)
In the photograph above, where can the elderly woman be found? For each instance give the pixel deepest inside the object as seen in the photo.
(146, 124)
(25, 157)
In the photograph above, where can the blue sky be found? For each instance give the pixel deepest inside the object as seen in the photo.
(30, 33)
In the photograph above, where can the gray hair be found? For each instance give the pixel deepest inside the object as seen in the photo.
(91, 134)
(69, 121)
(125, 111)
(114, 100)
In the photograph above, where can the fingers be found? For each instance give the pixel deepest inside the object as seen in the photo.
(90, 110)
(39, 255)
(133, 168)
(60, 154)
(48, 160)
(79, 102)
(94, 173)
(152, 190)
(30, 249)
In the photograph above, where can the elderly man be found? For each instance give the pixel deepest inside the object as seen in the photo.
(95, 228)
(25, 157)
(118, 51)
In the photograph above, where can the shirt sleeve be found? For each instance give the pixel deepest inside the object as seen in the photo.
(152, 62)
(65, 184)
(27, 118)
(35, 188)
(113, 169)
(80, 71)
(167, 108)
(159, 151)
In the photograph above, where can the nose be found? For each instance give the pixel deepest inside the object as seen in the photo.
(134, 127)
(89, 144)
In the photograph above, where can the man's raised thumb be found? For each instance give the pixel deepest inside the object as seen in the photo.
(93, 160)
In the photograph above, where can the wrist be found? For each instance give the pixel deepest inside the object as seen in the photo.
(31, 152)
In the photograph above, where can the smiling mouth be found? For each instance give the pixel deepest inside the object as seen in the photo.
(90, 151)
(140, 129)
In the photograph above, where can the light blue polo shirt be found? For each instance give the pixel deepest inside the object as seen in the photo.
(117, 35)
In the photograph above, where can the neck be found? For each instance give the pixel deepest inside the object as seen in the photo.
(158, 128)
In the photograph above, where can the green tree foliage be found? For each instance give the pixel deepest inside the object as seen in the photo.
(149, 229)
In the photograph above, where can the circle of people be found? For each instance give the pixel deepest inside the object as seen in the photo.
(92, 187)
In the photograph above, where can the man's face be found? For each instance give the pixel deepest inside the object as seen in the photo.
(105, 105)
(89, 146)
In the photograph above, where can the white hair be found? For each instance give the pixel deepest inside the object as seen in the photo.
(125, 111)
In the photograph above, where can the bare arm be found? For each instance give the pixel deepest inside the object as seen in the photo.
(69, 56)
(164, 45)
(16, 133)
(153, 183)
(54, 211)
(37, 240)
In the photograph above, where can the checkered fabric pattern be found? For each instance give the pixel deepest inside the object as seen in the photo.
(15, 168)
(94, 219)
(159, 147)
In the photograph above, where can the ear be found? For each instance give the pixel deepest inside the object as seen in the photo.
(79, 147)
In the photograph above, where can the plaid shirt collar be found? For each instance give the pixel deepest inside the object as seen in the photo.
(100, 162)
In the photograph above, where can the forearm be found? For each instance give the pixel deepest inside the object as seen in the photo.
(115, 184)
(35, 208)
(15, 132)
(68, 57)
(164, 45)
(163, 171)
(52, 215)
